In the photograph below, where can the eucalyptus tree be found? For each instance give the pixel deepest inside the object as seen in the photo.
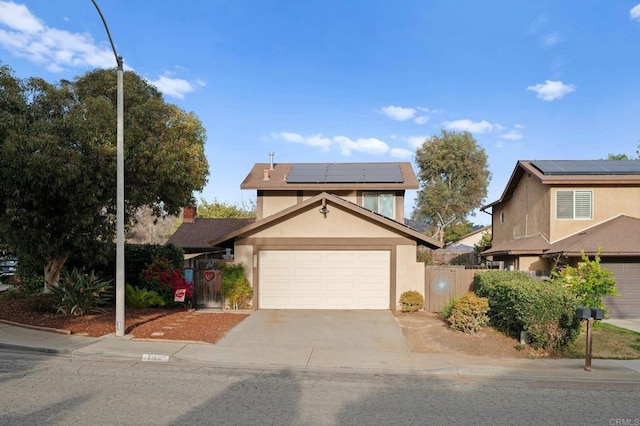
(453, 176)
(58, 163)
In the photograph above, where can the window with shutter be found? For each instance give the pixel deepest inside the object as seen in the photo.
(574, 205)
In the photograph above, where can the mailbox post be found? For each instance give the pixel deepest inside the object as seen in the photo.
(590, 315)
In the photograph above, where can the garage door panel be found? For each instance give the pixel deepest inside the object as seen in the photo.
(316, 279)
(627, 276)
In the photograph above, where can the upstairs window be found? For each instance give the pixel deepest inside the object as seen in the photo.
(380, 203)
(574, 205)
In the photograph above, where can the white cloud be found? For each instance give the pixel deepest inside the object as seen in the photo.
(368, 146)
(401, 153)
(175, 87)
(421, 119)
(519, 126)
(26, 36)
(18, 17)
(416, 141)
(346, 145)
(398, 113)
(469, 126)
(314, 140)
(512, 135)
(552, 90)
(634, 13)
(550, 40)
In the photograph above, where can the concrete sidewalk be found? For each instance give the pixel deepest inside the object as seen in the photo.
(14, 337)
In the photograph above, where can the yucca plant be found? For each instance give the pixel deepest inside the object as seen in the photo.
(80, 293)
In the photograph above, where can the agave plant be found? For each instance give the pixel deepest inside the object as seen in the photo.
(80, 293)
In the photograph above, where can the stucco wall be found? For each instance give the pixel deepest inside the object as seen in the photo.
(608, 202)
(244, 255)
(533, 263)
(270, 202)
(276, 201)
(313, 224)
(409, 273)
(525, 213)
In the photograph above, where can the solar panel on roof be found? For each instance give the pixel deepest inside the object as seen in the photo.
(345, 173)
(588, 167)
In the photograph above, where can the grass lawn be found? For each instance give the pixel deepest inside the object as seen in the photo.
(609, 342)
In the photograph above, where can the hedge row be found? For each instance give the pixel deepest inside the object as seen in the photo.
(517, 302)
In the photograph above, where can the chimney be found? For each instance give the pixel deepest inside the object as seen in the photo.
(266, 174)
(189, 214)
(271, 154)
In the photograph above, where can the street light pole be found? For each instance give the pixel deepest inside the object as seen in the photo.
(119, 185)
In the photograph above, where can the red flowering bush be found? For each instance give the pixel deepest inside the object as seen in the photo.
(160, 276)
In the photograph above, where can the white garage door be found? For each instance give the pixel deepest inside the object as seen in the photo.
(628, 285)
(324, 279)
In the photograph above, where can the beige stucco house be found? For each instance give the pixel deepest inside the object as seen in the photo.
(329, 236)
(551, 211)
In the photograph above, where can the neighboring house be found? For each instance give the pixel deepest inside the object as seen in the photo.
(552, 211)
(329, 236)
(194, 234)
(469, 240)
(461, 251)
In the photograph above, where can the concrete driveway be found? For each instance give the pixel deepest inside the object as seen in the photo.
(319, 329)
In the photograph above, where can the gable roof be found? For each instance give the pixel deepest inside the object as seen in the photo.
(196, 235)
(619, 236)
(532, 244)
(573, 172)
(331, 176)
(319, 200)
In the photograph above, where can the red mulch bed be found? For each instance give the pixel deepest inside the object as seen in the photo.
(175, 323)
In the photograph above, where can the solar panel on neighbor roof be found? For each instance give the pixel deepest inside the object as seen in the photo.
(345, 173)
(588, 167)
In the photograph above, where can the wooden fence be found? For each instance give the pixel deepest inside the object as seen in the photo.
(443, 283)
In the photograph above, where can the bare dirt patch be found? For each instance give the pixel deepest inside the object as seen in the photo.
(426, 332)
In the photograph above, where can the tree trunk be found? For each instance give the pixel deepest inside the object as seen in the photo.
(52, 272)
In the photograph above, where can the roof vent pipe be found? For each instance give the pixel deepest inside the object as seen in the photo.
(271, 154)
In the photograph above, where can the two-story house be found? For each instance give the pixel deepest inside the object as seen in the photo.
(329, 236)
(552, 211)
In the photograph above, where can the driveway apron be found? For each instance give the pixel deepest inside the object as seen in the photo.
(365, 330)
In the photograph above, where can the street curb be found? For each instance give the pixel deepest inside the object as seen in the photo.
(36, 327)
(35, 349)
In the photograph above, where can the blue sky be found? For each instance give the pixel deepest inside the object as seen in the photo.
(351, 81)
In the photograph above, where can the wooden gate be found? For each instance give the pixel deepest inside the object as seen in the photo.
(444, 283)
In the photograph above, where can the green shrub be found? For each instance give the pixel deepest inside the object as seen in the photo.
(517, 302)
(162, 277)
(448, 307)
(235, 287)
(80, 293)
(24, 286)
(469, 313)
(43, 303)
(141, 298)
(589, 282)
(411, 301)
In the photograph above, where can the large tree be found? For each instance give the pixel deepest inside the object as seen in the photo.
(454, 177)
(224, 210)
(58, 163)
